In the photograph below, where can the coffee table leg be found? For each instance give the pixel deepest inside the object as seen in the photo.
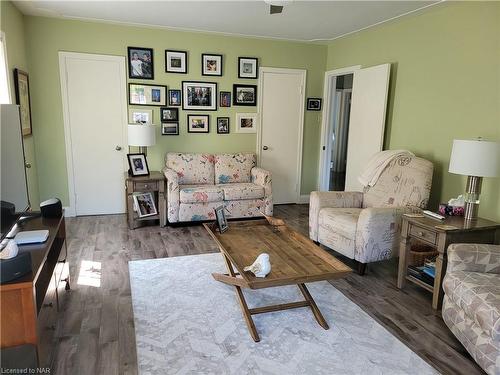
(317, 314)
(243, 304)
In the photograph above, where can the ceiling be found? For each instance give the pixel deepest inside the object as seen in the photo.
(300, 20)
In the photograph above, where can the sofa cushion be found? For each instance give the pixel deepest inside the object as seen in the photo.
(230, 168)
(200, 194)
(242, 190)
(192, 168)
(478, 294)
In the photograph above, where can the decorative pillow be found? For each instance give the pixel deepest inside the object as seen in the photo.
(230, 168)
(192, 168)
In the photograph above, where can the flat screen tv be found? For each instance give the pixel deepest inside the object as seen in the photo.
(13, 181)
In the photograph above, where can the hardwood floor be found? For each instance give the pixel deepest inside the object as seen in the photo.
(96, 332)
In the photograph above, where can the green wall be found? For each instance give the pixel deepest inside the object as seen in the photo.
(45, 37)
(445, 85)
(12, 24)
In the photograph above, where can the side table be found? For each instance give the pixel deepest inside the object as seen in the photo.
(439, 234)
(154, 183)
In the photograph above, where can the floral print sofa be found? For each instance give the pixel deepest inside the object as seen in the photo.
(198, 183)
(471, 305)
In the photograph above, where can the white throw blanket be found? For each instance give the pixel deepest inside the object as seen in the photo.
(377, 164)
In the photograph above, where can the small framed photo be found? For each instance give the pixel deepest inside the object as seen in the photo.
(221, 219)
(138, 164)
(144, 204)
(169, 128)
(140, 63)
(174, 98)
(198, 123)
(140, 116)
(225, 99)
(248, 67)
(143, 94)
(246, 122)
(175, 61)
(244, 94)
(222, 125)
(169, 114)
(314, 104)
(22, 87)
(199, 96)
(211, 65)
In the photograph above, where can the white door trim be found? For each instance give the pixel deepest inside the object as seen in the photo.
(327, 91)
(303, 74)
(63, 56)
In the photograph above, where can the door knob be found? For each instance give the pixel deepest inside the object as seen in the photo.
(118, 148)
(27, 165)
(265, 148)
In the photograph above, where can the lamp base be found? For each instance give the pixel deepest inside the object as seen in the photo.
(472, 197)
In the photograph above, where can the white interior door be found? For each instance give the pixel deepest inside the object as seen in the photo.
(367, 121)
(281, 128)
(94, 101)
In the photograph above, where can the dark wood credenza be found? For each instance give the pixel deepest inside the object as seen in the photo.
(30, 305)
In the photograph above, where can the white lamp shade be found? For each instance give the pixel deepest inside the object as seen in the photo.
(141, 135)
(475, 158)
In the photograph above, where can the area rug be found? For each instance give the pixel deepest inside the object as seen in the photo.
(188, 323)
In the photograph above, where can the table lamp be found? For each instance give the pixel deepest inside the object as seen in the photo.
(475, 159)
(142, 136)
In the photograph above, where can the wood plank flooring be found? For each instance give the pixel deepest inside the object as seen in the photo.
(96, 332)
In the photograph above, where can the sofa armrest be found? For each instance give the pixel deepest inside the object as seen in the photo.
(332, 199)
(264, 178)
(378, 233)
(172, 194)
(473, 258)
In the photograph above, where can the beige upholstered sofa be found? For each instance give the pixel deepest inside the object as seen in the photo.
(471, 305)
(365, 225)
(198, 183)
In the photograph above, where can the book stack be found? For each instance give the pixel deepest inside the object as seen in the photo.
(425, 273)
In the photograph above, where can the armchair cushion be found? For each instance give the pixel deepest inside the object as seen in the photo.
(474, 257)
(337, 229)
(192, 168)
(242, 190)
(200, 193)
(230, 168)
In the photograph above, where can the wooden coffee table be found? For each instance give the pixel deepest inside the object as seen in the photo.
(295, 260)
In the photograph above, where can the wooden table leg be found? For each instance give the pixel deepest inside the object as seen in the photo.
(438, 294)
(243, 303)
(317, 313)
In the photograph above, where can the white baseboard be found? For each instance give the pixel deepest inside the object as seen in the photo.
(304, 199)
(69, 212)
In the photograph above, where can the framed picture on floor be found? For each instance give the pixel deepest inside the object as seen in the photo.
(246, 122)
(169, 128)
(248, 67)
(22, 87)
(244, 94)
(140, 63)
(199, 96)
(198, 123)
(225, 99)
(169, 114)
(222, 125)
(313, 104)
(175, 61)
(144, 204)
(174, 98)
(211, 65)
(144, 94)
(138, 165)
(140, 116)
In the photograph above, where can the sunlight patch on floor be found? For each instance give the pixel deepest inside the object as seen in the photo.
(90, 273)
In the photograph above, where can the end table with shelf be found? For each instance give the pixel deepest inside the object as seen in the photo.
(155, 183)
(439, 234)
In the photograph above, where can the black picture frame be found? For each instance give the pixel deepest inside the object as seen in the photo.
(152, 103)
(171, 94)
(170, 128)
(174, 69)
(207, 130)
(205, 72)
(221, 219)
(224, 99)
(190, 107)
(244, 75)
(173, 110)
(219, 129)
(23, 99)
(133, 165)
(314, 104)
(238, 102)
(150, 73)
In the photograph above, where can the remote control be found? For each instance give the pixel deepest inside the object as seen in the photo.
(433, 215)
